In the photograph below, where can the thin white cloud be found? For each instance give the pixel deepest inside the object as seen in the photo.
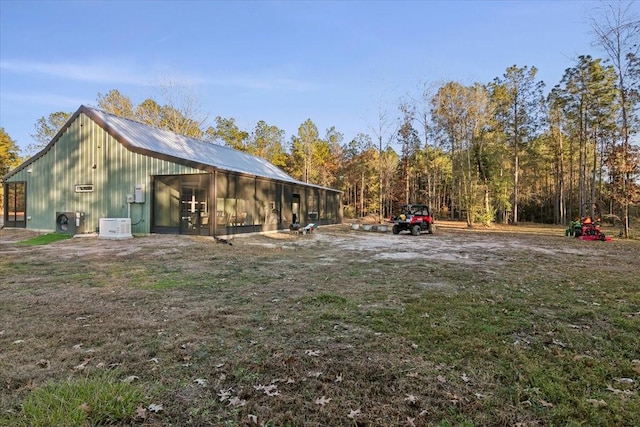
(116, 72)
(46, 99)
(106, 73)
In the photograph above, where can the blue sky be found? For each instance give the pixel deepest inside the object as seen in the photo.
(338, 63)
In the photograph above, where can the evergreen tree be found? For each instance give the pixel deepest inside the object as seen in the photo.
(519, 104)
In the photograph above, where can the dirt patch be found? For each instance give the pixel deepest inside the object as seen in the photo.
(452, 242)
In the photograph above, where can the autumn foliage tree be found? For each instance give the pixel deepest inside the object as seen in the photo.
(9, 158)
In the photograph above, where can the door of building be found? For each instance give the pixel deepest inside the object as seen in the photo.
(295, 209)
(194, 210)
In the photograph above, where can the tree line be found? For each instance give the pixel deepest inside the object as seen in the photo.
(483, 152)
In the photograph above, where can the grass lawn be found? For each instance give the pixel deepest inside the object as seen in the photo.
(45, 239)
(503, 326)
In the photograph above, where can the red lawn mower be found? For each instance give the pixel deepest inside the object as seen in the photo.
(587, 229)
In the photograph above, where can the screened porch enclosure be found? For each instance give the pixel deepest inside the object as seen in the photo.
(222, 203)
(181, 204)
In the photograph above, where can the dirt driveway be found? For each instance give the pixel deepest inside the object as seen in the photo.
(452, 243)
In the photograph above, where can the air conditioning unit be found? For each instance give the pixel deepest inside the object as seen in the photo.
(70, 222)
(115, 228)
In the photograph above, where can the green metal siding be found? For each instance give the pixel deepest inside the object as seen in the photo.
(86, 154)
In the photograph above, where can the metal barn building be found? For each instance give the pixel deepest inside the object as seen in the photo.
(101, 167)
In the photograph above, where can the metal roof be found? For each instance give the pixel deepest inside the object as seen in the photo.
(148, 139)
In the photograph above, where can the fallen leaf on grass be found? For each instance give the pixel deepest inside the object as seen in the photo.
(130, 379)
(224, 394)
(77, 347)
(338, 378)
(82, 365)
(253, 418)
(354, 413)
(411, 399)
(85, 407)
(323, 401)
(18, 342)
(315, 374)
(442, 379)
(155, 407)
(141, 412)
(453, 398)
(270, 390)
(43, 363)
(618, 391)
(313, 353)
(237, 402)
(465, 378)
(201, 382)
(597, 403)
(579, 357)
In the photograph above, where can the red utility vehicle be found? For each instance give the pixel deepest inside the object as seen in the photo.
(413, 218)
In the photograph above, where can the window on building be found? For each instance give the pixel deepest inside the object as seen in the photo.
(15, 202)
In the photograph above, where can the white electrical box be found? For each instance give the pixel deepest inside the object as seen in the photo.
(130, 198)
(139, 194)
(115, 228)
